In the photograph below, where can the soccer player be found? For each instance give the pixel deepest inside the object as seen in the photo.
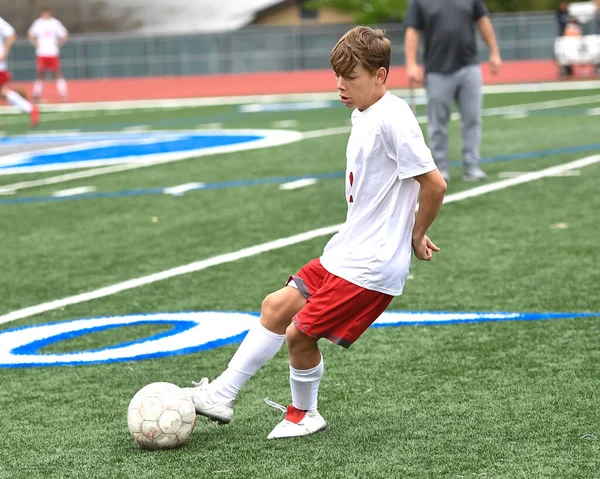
(7, 39)
(452, 72)
(47, 34)
(339, 295)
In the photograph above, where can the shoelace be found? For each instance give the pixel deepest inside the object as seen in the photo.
(283, 409)
(202, 383)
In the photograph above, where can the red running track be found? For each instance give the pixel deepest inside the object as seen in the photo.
(151, 88)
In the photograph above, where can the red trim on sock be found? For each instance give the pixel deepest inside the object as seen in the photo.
(294, 415)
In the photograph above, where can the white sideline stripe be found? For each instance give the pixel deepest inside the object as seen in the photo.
(179, 190)
(285, 124)
(516, 115)
(80, 190)
(238, 100)
(135, 128)
(12, 188)
(294, 185)
(273, 245)
(593, 111)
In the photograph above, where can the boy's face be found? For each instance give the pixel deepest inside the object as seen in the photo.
(46, 13)
(361, 88)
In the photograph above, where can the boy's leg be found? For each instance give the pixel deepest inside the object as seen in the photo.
(61, 86)
(262, 342)
(306, 371)
(21, 104)
(38, 86)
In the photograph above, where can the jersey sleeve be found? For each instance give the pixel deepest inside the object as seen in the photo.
(414, 16)
(405, 144)
(33, 29)
(6, 30)
(479, 10)
(61, 29)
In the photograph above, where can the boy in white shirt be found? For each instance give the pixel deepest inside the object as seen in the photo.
(339, 295)
(7, 39)
(47, 34)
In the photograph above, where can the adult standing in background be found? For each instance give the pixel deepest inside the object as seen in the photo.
(48, 35)
(562, 17)
(452, 72)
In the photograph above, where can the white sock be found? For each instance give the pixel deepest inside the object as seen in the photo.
(17, 100)
(305, 386)
(61, 86)
(38, 86)
(258, 347)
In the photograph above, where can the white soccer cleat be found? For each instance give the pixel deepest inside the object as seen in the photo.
(207, 405)
(298, 423)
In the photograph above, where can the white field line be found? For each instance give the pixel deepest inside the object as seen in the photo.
(290, 137)
(238, 100)
(285, 124)
(593, 112)
(273, 245)
(80, 190)
(12, 188)
(180, 190)
(294, 185)
(136, 128)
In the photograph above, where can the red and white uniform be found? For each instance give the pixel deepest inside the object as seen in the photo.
(48, 32)
(366, 263)
(6, 31)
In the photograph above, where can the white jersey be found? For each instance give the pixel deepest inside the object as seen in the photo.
(48, 32)
(6, 31)
(386, 149)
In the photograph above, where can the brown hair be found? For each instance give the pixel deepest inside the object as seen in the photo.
(46, 8)
(361, 46)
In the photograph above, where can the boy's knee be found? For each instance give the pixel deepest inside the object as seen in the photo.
(297, 341)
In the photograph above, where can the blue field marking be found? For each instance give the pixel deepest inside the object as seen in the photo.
(283, 179)
(40, 153)
(196, 331)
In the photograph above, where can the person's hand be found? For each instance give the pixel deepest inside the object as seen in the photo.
(424, 248)
(415, 74)
(495, 63)
(2, 55)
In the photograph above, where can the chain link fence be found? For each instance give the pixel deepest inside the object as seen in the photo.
(256, 49)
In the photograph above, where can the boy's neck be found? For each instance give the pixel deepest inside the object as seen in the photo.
(375, 99)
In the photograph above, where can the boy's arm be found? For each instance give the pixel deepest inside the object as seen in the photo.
(431, 197)
(10, 40)
(64, 35)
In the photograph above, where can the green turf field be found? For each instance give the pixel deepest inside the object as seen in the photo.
(507, 399)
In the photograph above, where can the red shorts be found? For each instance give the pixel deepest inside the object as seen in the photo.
(335, 308)
(48, 64)
(4, 78)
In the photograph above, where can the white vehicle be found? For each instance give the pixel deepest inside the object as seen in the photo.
(579, 49)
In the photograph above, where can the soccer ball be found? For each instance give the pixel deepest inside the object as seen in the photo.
(161, 416)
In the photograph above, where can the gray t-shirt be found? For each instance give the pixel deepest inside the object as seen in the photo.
(449, 30)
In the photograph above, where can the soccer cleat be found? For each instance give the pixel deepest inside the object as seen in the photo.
(475, 174)
(34, 116)
(207, 405)
(297, 423)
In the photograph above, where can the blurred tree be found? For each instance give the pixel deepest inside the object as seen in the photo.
(380, 11)
(366, 11)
